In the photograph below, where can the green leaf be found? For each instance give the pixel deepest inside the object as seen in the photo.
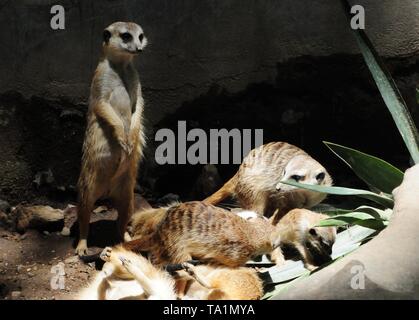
(388, 89)
(355, 218)
(376, 213)
(378, 174)
(380, 199)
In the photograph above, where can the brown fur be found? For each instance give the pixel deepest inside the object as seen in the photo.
(114, 139)
(194, 230)
(298, 229)
(127, 275)
(255, 183)
(221, 283)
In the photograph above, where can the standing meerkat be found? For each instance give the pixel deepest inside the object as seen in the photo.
(194, 230)
(114, 140)
(257, 184)
(298, 230)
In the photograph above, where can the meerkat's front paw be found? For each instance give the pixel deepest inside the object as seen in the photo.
(310, 267)
(125, 145)
(127, 237)
(125, 261)
(189, 268)
(105, 255)
(277, 257)
(81, 249)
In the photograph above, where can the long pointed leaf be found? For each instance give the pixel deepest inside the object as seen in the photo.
(377, 173)
(388, 89)
(340, 191)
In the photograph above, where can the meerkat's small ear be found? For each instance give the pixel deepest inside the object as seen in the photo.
(106, 36)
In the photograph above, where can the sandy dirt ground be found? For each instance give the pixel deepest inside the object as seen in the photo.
(31, 263)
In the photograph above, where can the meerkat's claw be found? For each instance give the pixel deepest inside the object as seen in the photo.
(189, 268)
(81, 249)
(310, 267)
(105, 255)
(124, 261)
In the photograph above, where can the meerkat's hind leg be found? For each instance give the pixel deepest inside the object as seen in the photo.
(89, 191)
(123, 198)
(83, 215)
(191, 270)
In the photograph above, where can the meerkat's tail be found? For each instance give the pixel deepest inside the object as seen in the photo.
(225, 191)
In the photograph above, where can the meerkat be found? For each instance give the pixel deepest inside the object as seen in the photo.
(220, 283)
(298, 230)
(127, 275)
(194, 230)
(114, 138)
(257, 184)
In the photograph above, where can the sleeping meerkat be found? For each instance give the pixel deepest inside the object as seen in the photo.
(257, 184)
(208, 282)
(194, 230)
(298, 230)
(114, 139)
(127, 275)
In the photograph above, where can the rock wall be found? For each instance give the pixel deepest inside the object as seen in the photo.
(193, 44)
(268, 59)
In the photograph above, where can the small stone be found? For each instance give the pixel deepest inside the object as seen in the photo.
(169, 198)
(71, 260)
(4, 206)
(19, 268)
(65, 232)
(16, 295)
(23, 236)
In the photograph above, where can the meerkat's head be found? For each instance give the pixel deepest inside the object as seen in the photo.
(123, 40)
(304, 169)
(319, 242)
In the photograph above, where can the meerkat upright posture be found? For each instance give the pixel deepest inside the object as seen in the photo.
(114, 139)
(194, 230)
(257, 184)
(298, 230)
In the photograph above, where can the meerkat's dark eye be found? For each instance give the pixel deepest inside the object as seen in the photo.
(296, 177)
(313, 232)
(141, 37)
(320, 176)
(126, 36)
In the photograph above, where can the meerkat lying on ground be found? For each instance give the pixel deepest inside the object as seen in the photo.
(127, 275)
(257, 184)
(114, 138)
(194, 230)
(298, 230)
